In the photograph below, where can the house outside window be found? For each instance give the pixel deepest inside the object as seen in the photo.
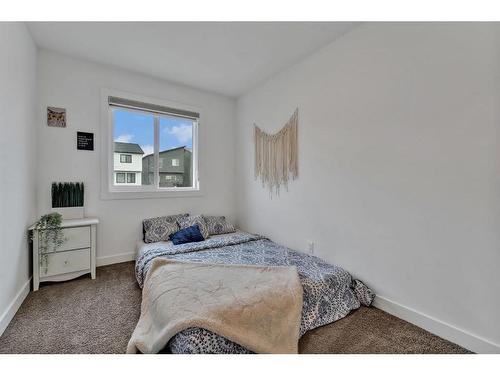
(174, 167)
(127, 163)
(149, 142)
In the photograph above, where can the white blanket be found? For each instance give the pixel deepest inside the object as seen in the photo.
(257, 307)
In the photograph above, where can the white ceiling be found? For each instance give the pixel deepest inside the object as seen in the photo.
(227, 58)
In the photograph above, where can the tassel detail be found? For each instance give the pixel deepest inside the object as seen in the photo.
(276, 155)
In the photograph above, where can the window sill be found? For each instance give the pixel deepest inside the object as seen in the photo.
(181, 193)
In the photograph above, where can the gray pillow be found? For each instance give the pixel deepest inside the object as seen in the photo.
(160, 228)
(185, 222)
(218, 225)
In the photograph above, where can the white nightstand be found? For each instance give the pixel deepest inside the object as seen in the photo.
(75, 257)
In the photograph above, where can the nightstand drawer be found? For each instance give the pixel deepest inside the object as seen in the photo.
(76, 238)
(68, 261)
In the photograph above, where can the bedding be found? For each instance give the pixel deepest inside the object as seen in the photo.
(258, 307)
(187, 235)
(160, 228)
(189, 221)
(329, 292)
(218, 225)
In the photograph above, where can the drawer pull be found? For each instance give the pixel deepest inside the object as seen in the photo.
(65, 262)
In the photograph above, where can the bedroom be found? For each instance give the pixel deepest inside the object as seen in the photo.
(344, 174)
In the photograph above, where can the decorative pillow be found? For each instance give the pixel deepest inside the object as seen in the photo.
(160, 228)
(188, 221)
(186, 235)
(218, 225)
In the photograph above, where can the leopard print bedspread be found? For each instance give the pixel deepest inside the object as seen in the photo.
(330, 292)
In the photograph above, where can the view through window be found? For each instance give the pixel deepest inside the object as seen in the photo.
(134, 149)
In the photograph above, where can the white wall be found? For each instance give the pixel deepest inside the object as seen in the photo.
(76, 85)
(17, 163)
(399, 162)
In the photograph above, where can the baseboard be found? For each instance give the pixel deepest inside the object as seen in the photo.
(116, 258)
(11, 310)
(447, 331)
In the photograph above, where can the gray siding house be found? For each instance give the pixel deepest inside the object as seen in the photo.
(174, 168)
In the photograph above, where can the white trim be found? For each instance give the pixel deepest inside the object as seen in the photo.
(191, 193)
(108, 189)
(447, 331)
(69, 223)
(116, 258)
(65, 276)
(16, 303)
(156, 156)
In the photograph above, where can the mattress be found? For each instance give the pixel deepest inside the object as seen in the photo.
(330, 292)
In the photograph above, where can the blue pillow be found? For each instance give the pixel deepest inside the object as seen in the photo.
(186, 235)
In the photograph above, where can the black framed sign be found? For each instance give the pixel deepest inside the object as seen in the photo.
(85, 141)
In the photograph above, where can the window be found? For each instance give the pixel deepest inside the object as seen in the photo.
(125, 158)
(130, 178)
(176, 142)
(120, 178)
(147, 143)
(133, 140)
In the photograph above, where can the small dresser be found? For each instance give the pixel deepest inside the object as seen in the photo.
(75, 257)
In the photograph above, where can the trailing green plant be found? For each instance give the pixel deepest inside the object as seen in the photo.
(67, 194)
(50, 235)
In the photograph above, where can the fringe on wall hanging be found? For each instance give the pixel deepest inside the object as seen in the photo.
(276, 157)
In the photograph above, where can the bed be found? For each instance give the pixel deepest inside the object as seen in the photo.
(329, 292)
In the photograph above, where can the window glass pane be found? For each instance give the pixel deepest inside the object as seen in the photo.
(131, 178)
(176, 145)
(120, 178)
(133, 134)
(125, 158)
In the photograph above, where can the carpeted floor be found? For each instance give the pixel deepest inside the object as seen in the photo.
(98, 316)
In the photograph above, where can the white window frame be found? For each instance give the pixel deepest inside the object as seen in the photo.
(111, 191)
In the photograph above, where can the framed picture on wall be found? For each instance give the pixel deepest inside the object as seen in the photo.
(56, 117)
(85, 141)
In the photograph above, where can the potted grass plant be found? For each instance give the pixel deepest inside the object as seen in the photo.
(68, 199)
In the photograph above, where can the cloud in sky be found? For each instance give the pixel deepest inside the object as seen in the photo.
(126, 138)
(148, 149)
(183, 133)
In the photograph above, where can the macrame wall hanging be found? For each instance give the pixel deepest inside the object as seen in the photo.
(276, 155)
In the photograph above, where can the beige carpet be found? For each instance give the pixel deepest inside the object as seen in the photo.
(98, 316)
